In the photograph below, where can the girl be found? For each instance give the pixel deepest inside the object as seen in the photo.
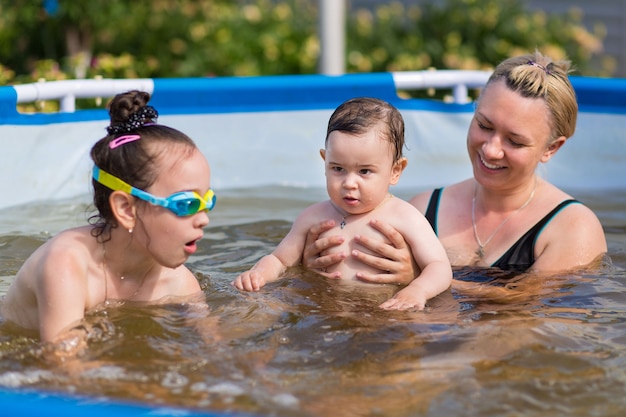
(152, 191)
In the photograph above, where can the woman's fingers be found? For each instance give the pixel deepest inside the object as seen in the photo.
(314, 256)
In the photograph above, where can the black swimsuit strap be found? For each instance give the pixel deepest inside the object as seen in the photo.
(521, 255)
(433, 208)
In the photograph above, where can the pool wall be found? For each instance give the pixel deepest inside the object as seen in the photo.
(33, 404)
(259, 131)
(267, 131)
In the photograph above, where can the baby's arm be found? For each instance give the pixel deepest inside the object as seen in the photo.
(436, 272)
(288, 253)
(268, 268)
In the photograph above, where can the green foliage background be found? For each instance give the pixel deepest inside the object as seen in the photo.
(195, 38)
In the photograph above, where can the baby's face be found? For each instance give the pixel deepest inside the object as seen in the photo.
(359, 170)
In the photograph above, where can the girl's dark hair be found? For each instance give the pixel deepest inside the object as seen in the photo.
(135, 161)
(357, 115)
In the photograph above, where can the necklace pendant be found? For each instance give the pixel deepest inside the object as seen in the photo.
(343, 223)
(480, 252)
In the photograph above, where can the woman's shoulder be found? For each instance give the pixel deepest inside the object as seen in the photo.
(572, 236)
(422, 199)
(551, 199)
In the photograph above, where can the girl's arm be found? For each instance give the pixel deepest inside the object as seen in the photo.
(61, 290)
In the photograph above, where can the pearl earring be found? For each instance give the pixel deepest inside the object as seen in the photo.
(130, 230)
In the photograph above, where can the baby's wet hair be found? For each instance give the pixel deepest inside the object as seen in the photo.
(130, 150)
(359, 114)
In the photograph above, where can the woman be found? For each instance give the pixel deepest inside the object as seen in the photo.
(505, 216)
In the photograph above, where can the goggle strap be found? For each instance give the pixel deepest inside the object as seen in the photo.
(112, 182)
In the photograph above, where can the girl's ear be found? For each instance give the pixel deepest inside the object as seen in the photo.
(123, 208)
(396, 170)
(552, 148)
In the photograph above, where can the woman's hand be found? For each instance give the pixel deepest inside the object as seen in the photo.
(314, 248)
(394, 258)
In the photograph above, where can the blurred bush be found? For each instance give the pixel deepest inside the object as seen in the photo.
(57, 39)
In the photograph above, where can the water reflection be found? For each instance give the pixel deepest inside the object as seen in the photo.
(307, 346)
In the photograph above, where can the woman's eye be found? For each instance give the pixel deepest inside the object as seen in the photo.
(515, 144)
(482, 126)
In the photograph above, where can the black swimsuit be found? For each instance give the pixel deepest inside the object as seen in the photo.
(521, 255)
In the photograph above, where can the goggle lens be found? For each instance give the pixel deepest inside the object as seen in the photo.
(189, 202)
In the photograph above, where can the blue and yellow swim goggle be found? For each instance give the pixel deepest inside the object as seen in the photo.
(184, 203)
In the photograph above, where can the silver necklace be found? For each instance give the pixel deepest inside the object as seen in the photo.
(481, 246)
(345, 215)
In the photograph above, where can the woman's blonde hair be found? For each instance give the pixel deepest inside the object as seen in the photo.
(538, 76)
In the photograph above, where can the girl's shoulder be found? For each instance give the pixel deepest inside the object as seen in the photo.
(69, 247)
(78, 238)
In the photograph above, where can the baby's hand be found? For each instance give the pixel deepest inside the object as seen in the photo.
(249, 281)
(405, 299)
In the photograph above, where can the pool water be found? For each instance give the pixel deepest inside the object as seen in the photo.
(306, 346)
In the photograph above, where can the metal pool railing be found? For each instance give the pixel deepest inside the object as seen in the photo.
(67, 91)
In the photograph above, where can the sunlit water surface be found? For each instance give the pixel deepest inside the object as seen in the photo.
(309, 347)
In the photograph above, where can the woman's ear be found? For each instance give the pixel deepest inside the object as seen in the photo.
(396, 170)
(552, 148)
(123, 208)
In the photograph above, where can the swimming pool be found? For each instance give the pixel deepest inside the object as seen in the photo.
(306, 347)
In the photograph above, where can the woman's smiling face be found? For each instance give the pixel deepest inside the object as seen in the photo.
(508, 136)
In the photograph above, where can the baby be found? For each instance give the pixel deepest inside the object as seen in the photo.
(362, 158)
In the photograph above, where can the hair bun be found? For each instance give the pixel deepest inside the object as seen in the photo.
(141, 117)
